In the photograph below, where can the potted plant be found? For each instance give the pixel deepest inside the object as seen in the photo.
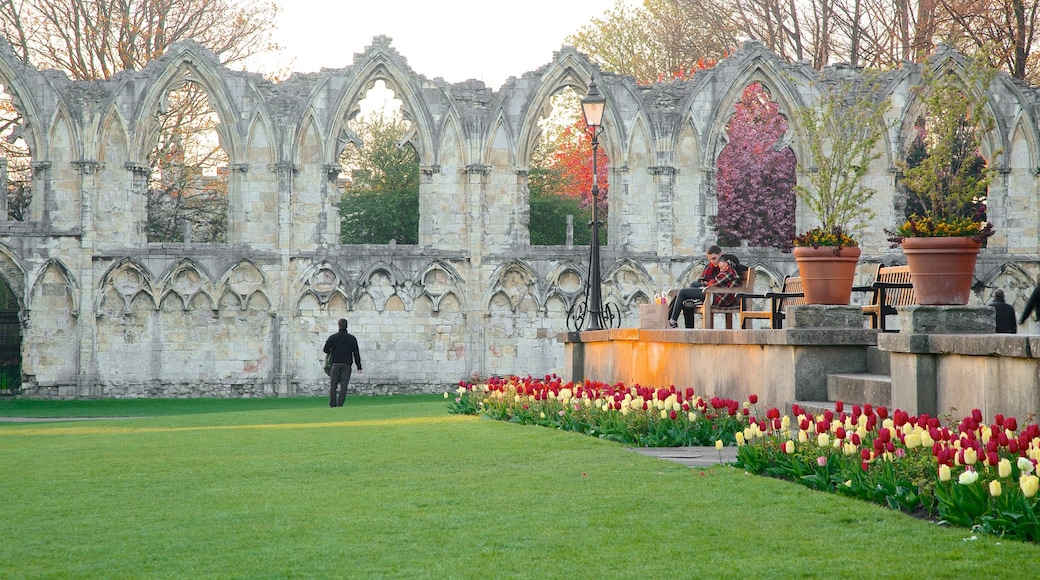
(842, 131)
(947, 185)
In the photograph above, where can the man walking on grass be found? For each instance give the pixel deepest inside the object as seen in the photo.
(344, 349)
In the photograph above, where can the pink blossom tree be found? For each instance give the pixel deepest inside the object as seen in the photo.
(756, 176)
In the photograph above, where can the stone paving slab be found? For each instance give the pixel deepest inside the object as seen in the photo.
(690, 456)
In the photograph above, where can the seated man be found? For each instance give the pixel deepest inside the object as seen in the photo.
(727, 277)
(709, 272)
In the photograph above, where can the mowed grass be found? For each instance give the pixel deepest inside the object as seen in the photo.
(396, 487)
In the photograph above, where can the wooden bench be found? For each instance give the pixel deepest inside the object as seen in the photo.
(708, 310)
(891, 288)
(790, 295)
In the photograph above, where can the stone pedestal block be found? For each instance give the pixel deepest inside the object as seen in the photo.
(824, 316)
(947, 319)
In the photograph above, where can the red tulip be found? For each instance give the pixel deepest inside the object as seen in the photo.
(673, 415)
(868, 409)
(752, 399)
(992, 458)
(855, 439)
(773, 413)
(890, 447)
(839, 406)
(865, 454)
(976, 415)
(999, 420)
(882, 412)
(1011, 424)
(840, 433)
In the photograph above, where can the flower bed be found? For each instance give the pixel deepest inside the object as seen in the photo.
(633, 415)
(972, 474)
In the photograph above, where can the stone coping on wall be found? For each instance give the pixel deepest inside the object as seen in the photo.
(1010, 345)
(788, 337)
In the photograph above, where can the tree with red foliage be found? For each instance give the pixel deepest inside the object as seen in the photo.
(756, 179)
(573, 157)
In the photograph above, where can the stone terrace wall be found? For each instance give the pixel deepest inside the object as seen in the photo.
(107, 314)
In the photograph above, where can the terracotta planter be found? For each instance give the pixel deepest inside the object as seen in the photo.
(941, 269)
(826, 277)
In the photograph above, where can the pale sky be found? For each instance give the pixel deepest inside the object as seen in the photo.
(454, 39)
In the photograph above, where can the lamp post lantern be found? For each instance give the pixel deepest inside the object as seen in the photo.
(592, 106)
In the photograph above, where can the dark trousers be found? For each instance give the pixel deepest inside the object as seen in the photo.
(340, 377)
(695, 293)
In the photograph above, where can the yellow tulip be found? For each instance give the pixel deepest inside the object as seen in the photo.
(718, 444)
(1029, 485)
(1004, 468)
(823, 440)
(803, 437)
(789, 447)
(912, 441)
(970, 456)
(944, 472)
(994, 488)
(740, 437)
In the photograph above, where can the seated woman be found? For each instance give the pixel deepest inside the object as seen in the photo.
(728, 276)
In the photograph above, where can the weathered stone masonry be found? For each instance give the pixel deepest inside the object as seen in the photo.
(105, 313)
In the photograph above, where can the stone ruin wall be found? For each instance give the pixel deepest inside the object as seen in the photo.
(105, 313)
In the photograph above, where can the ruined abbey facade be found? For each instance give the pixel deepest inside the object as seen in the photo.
(103, 312)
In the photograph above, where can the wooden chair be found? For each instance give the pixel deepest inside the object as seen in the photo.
(791, 294)
(891, 288)
(708, 310)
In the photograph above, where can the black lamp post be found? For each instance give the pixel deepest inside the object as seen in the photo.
(592, 110)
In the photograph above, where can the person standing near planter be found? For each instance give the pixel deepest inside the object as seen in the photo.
(696, 290)
(343, 347)
(1005, 313)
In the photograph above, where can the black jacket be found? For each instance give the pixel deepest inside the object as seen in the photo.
(1031, 305)
(1005, 317)
(344, 349)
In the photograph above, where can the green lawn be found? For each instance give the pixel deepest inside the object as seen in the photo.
(396, 487)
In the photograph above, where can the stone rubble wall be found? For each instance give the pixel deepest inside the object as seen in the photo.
(105, 313)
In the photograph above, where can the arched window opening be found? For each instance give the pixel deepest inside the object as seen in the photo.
(10, 341)
(756, 175)
(967, 165)
(188, 187)
(380, 179)
(560, 176)
(15, 161)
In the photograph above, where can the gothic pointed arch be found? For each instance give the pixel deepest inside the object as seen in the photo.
(381, 283)
(380, 62)
(260, 143)
(13, 271)
(188, 281)
(756, 64)
(17, 77)
(439, 279)
(570, 69)
(516, 282)
(566, 283)
(625, 282)
(126, 285)
(322, 281)
(187, 62)
(243, 285)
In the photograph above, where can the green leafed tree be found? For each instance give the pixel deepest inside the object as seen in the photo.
(659, 40)
(380, 200)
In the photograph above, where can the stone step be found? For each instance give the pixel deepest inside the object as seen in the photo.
(859, 388)
(878, 361)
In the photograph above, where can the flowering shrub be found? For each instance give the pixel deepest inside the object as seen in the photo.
(832, 237)
(973, 475)
(916, 226)
(633, 415)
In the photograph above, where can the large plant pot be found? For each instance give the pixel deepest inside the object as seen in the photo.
(941, 269)
(826, 277)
